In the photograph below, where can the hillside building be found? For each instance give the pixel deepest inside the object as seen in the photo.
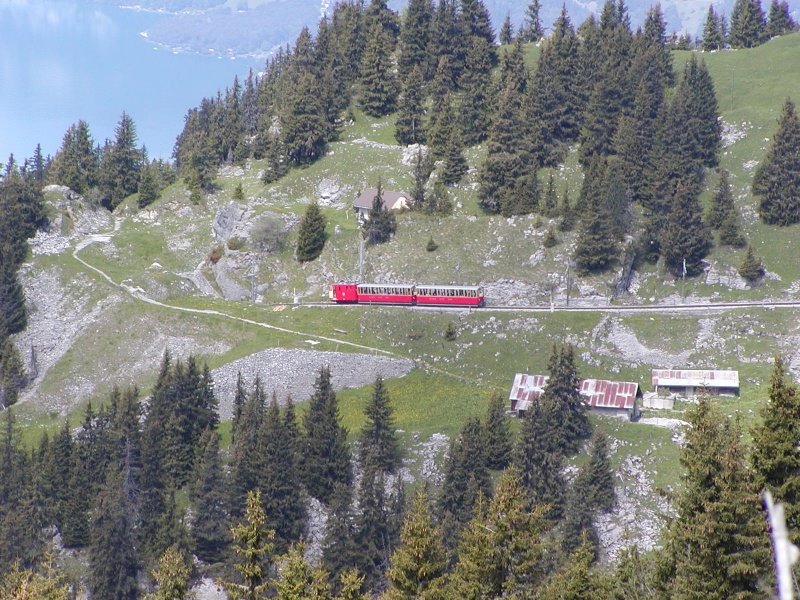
(392, 201)
(690, 383)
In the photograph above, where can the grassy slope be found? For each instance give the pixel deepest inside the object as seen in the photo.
(459, 376)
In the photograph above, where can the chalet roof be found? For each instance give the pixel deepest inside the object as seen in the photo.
(367, 196)
(597, 393)
(695, 378)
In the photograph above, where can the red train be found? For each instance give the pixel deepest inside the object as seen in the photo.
(397, 293)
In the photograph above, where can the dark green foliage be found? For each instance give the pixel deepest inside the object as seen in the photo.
(498, 443)
(381, 225)
(774, 458)
(730, 232)
(277, 161)
(378, 83)
(340, 548)
(440, 124)
(253, 547)
(595, 249)
(326, 454)
(311, 235)
(13, 315)
(686, 238)
(304, 126)
(561, 401)
(148, 187)
(532, 30)
(455, 165)
(12, 373)
(752, 269)
(378, 438)
(210, 535)
(550, 238)
(374, 536)
(568, 214)
(76, 164)
(721, 203)
(713, 31)
(717, 546)
(539, 461)
(431, 246)
(408, 127)
(575, 580)
(423, 167)
(121, 164)
(506, 34)
(780, 20)
(113, 559)
(578, 525)
(775, 182)
(239, 399)
(246, 450)
(377, 12)
(597, 478)
(420, 561)
(450, 332)
(415, 38)
(478, 92)
(748, 24)
(549, 203)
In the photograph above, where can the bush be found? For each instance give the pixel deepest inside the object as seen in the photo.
(431, 246)
(450, 333)
(216, 253)
(236, 243)
(550, 239)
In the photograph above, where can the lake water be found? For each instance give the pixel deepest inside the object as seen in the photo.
(61, 61)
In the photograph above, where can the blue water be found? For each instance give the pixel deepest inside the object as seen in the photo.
(61, 61)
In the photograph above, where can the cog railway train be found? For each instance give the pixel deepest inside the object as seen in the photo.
(395, 293)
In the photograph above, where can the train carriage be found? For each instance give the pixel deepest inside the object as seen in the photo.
(422, 295)
(382, 293)
(449, 295)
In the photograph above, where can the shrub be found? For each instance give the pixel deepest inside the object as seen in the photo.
(431, 246)
(216, 253)
(550, 239)
(450, 333)
(236, 243)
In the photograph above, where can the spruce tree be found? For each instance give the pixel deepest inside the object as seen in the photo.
(562, 403)
(340, 547)
(722, 202)
(148, 187)
(455, 165)
(498, 442)
(171, 576)
(378, 83)
(752, 269)
(532, 30)
(420, 561)
(12, 373)
(378, 437)
(311, 235)
(304, 127)
(713, 36)
(210, 534)
(730, 232)
(297, 580)
(415, 39)
(779, 21)
(253, 547)
(326, 454)
(506, 34)
(122, 164)
(686, 239)
(478, 92)
(381, 225)
(13, 315)
(373, 534)
(409, 125)
(595, 250)
(247, 459)
(775, 182)
(748, 24)
(76, 164)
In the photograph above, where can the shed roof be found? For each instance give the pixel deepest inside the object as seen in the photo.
(597, 393)
(367, 197)
(695, 378)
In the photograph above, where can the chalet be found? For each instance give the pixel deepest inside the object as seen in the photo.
(392, 201)
(618, 397)
(690, 383)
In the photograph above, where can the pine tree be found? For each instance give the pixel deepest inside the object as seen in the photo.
(210, 532)
(340, 548)
(562, 403)
(171, 576)
(776, 463)
(748, 24)
(381, 224)
(498, 442)
(378, 437)
(721, 203)
(455, 165)
(409, 125)
(76, 163)
(420, 561)
(311, 235)
(780, 21)
(730, 231)
(326, 455)
(506, 34)
(253, 546)
(122, 163)
(686, 239)
(775, 182)
(378, 84)
(713, 37)
(752, 269)
(415, 39)
(532, 30)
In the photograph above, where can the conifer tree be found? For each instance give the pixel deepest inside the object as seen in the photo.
(304, 127)
(595, 249)
(775, 182)
(311, 235)
(599, 474)
(506, 34)
(29, 584)
(378, 83)
(210, 532)
(340, 548)
(730, 232)
(171, 576)
(561, 401)
(409, 125)
(498, 442)
(549, 206)
(532, 30)
(478, 92)
(246, 454)
(420, 561)
(779, 21)
(377, 12)
(121, 164)
(13, 316)
(721, 203)
(415, 39)
(686, 239)
(148, 187)
(12, 373)
(381, 224)
(326, 454)
(373, 534)
(239, 399)
(748, 24)
(713, 36)
(378, 437)
(752, 269)
(575, 580)
(455, 165)
(253, 547)
(76, 164)
(776, 463)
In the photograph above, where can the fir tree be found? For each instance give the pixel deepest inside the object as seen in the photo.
(775, 182)
(721, 203)
(455, 165)
(478, 92)
(774, 458)
(12, 373)
(686, 239)
(373, 534)
(304, 127)
(751, 269)
(713, 36)
(239, 399)
(409, 125)
(532, 30)
(76, 164)
(562, 402)
(297, 580)
(595, 250)
(311, 235)
(171, 576)
(210, 533)
(378, 84)
(253, 546)
(121, 164)
(730, 232)
(415, 39)
(598, 475)
(340, 548)
(13, 315)
(506, 34)
(779, 21)
(420, 561)
(378, 436)
(498, 442)
(549, 205)
(148, 187)
(575, 580)
(381, 224)
(326, 455)
(748, 24)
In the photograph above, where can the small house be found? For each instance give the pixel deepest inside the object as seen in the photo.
(617, 397)
(392, 201)
(691, 382)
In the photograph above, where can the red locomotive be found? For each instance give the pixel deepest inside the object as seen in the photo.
(421, 295)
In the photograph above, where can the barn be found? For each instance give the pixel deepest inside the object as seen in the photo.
(392, 201)
(614, 397)
(692, 382)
